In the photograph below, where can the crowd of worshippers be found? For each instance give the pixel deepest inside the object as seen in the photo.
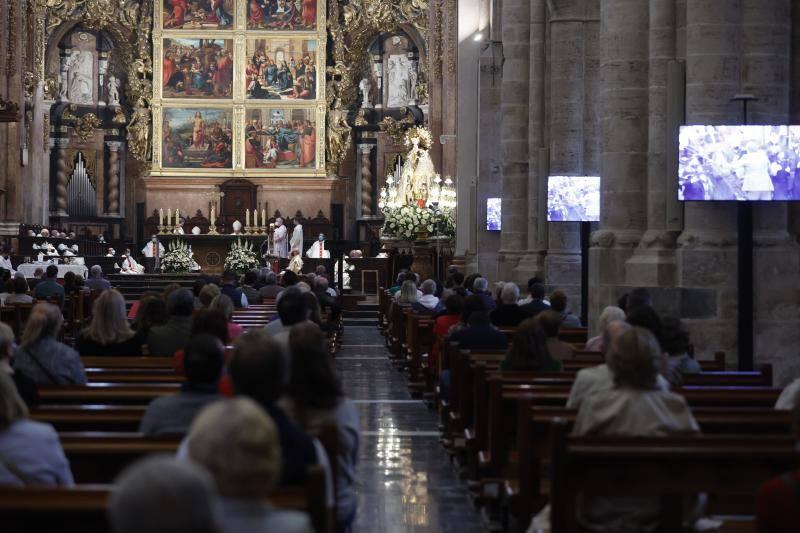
(250, 423)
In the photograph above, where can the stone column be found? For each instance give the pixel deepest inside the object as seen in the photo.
(532, 263)
(367, 196)
(794, 100)
(653, 264)
(567, 50)
(62, 180)
(706, 257)
(766, 67)
(113, 176)
(624, 123)
(515, 99)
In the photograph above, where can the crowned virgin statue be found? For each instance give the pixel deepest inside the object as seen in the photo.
(418, 173)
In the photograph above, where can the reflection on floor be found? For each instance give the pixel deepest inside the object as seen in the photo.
(406, 481)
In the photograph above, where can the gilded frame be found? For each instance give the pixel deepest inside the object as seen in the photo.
(238, 103)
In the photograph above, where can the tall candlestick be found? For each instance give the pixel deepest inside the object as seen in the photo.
(264, 216)
(161, 217)
(247, 218)
(255, 218)
(213, 215)
(169, 216)
(177, 217)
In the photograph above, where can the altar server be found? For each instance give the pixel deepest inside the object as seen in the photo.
(296, 243)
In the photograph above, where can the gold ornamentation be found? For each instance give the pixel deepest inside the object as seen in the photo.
(85, 125)
(393, 129)
(46, 130)
(50, 88)
(361, 119)
(8, 106)
(68, 115)
(338, 134)
(119, 116)
(29, 84)
(139, 132)
(11, 49)
(422, 92)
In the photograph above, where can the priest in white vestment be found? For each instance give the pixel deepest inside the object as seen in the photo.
(318, 250)
(296, 242)
(279, 238)
(5, 261)
(296, 263)
(130, 265)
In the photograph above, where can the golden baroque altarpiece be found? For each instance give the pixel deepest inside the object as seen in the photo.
(137, 30)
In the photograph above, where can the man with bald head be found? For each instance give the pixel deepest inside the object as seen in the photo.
(600, 377)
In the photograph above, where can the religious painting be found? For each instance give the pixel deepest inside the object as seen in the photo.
(197, 68)
(196, 138)
(280, 138)
(282, 15)
(281, 68)
(197, 14)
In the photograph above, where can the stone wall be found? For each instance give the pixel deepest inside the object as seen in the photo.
(602, 86)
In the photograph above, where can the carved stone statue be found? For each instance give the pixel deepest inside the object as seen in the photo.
(80, 76)
(113, 90)
(139, 131)
(412, 84)
(364, 86)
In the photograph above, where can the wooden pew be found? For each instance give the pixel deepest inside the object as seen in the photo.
(528, 495)
(668, 468)
(83, 509)
(102, 418)
(110, 393)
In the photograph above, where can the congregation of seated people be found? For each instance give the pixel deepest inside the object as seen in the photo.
(249, 420)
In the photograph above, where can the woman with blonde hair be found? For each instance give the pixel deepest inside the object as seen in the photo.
(109, 332)
(237, 443)
(224, 304)
(41, 356)
(31, 452)
(610, 314)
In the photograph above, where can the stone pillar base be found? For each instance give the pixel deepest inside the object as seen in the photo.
(507, 262)
(563, 272)
(530, 265)
(653, 262)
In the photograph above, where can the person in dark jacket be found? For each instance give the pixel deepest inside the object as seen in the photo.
(508, 314)
(537, 303)
(230, 289)
(167, 339)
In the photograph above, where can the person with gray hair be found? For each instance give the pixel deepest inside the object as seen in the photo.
(428, 303)
(635, 406)
(508, 314)
(161, 494)
(270, 290)
(96, 281)
(167, 339)
(480, 288)
(610, 314)
(237, 442)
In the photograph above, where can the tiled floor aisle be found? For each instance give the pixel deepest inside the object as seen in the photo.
(406, 481)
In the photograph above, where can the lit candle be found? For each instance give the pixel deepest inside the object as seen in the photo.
(177, 217)
(161, 217)
(255, 217)
(264, 216)
(169, 216)
(213, 215)
(247, 218)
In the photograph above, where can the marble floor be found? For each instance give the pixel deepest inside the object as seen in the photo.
(406, 480)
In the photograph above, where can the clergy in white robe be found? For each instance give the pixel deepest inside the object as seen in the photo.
(280, 242)
(296, 242)
(153, 251)
(296, 263)
(5, 262)
(318, 249)
(130, 265)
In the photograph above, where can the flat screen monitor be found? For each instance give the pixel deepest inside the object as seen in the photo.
(573, 198)
(741, 163)
(494, 213)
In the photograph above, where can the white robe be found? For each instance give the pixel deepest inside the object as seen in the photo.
(149, 250)
(281, 245)
(296, 265)
(6, 263)
(131, 266)
(318, 250)
(296, 242)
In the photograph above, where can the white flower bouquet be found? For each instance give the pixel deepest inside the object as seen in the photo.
(241, 257)
(177, 259)
(406, 221)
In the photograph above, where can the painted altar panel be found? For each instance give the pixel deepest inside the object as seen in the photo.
(223, 67)
(197, 14)
(197, 138)
(197, 68)
(281, 68)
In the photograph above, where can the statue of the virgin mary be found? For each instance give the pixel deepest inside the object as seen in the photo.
(418, 173)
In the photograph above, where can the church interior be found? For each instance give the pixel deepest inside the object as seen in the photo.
(351, 266)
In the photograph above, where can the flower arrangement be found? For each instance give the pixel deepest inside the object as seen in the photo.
(178, 258)
(405, 222)
(242, 257)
